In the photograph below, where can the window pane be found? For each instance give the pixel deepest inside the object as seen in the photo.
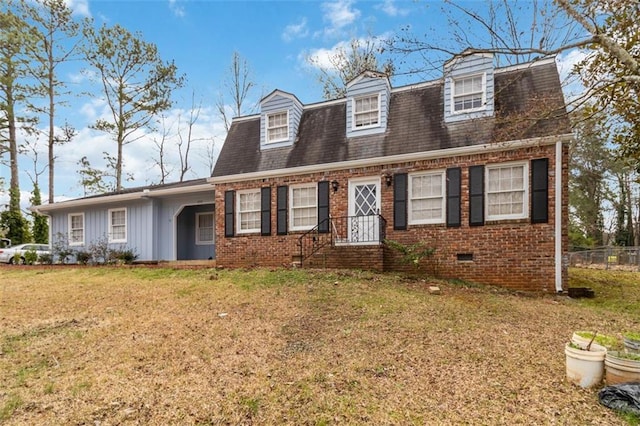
(467, 93)
(249, 210)
(205, 228)
(505, 188)
(118, 217)
(250, 220)
(427, 209)
(76, 222)
(304, 211)
(277, 127)
(366, 111)
(427, 194)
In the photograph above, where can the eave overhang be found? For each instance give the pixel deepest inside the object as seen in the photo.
(400, 158)
(45, 209)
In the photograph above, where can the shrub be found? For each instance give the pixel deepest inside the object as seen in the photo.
(17, 258)
(60, 248)
(100, 251)
(83, 257)
(412, 254)
(126, 256)
(46, 258)
(30, 257)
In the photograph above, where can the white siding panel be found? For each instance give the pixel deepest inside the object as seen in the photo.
(363, 87)
(275, 103)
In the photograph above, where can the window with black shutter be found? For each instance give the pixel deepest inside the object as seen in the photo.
(265, 211)
(229, 213)
(323, 206)
(476, 195)
(540, 190)
(400, 201)
(453, 196)
(281, 207)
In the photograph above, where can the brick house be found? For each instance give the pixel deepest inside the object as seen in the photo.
(473, 164)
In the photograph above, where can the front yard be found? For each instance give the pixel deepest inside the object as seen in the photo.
(102, 345)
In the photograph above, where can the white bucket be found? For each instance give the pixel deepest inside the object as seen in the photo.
(585, 368)
(584, 341)
(621, 370)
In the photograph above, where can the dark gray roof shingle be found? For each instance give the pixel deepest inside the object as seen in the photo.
(528, 103)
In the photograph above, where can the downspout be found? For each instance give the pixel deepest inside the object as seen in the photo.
(558, 217)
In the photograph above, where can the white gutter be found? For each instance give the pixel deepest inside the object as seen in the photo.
(118, 198)
(558, 217)
(400, 158)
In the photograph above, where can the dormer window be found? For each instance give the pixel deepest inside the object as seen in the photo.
(366, 111)
(468, 93)
(278, 127)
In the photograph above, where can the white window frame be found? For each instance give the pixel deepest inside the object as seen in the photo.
(355, 113)
(524, 190)
(442, 197)
(70, 229)
(240, 212)
(199, 241)
(483, 92)
(293, 207)
(111, 239)
(269, 127)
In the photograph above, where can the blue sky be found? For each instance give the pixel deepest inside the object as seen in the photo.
(275, 37)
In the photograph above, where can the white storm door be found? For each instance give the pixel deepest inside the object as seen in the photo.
(364, 207)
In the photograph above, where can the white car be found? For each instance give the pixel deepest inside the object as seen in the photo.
(7, 255)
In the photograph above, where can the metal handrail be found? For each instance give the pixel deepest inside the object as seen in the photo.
(343, 230)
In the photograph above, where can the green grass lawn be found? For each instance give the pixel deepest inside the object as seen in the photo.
(101, 345)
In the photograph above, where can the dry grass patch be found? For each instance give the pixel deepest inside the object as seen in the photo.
(158, 346)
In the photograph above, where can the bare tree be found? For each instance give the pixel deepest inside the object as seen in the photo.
(236, 85)
(346, 63)
(211, 156)
(184, 144)
(161, 146)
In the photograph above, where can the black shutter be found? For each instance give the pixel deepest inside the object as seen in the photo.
(281, 213)
(323, 206)
(265, 211)
(229, 213)
(476, 195)
(453, 196)
(400, 201)
(540, 190)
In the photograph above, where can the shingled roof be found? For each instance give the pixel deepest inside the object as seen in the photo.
(528, 104)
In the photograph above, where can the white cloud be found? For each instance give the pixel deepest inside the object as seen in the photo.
(567, 60)
(339, 14)
(389, 7)
(571, 84)
(324, 58)
(93, 109)
(177, 9)
(79, 7)
(294, 31)
(140, 155)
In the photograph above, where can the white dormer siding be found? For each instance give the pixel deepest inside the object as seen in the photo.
(367, 104)
(280, 114)
(468, 87)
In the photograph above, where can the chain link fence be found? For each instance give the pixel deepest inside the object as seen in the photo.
(613, 258)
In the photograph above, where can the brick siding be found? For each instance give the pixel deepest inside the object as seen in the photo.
(509, 253)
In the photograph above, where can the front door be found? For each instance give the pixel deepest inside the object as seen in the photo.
(364, 207)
